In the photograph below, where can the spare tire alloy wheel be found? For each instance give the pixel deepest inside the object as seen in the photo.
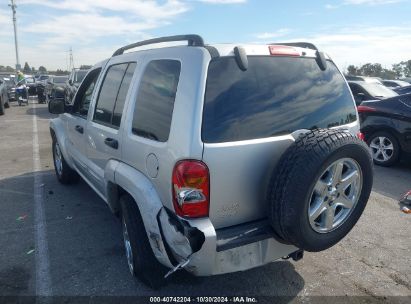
(319, 189)
(335, 195)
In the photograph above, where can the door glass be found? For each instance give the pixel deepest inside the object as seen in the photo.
(108, 93)
(85, 92)
(122, 94)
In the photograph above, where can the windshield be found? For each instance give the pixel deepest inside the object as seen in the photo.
(59, 79)
(378, 90)
(276, 95)
(79, 75)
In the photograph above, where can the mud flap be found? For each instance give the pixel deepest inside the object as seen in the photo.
(180, 239)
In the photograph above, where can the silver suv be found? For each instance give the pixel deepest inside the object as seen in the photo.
(216, 158)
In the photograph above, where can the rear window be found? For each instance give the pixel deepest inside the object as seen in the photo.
(275, 96)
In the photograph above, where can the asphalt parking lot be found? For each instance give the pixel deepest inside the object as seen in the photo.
(63, 240)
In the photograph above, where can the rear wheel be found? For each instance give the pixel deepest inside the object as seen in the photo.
(385, 148)
(140, 257)
(64, 173)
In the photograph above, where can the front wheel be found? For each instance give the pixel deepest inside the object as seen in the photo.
(64, 173)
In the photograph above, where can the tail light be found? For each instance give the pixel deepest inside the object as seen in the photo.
(283, 50)
(361, 136)
(365, 109)
(191, 189)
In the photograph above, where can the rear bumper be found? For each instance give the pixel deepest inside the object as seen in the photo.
(213, 252)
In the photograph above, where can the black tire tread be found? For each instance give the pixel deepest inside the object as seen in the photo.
(308, 149)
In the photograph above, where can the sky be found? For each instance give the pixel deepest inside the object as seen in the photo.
(350, 31)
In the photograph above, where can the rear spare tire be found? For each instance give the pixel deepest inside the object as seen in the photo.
(320, 188)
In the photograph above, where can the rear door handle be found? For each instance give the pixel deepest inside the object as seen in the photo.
(79, 129)
(111, 142)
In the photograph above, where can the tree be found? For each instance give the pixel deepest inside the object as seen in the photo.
(42, 69)
(26, 68)
(33, 70)
(406, 66)
(371, 69)
(352, 70)
(85, 67)
(397, 69)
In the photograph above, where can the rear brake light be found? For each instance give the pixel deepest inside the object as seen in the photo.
(283, 50)
(365, 109)
(191, 188)
(361, 136)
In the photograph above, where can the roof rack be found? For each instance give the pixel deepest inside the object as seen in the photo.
(306, 45)
(193, 40)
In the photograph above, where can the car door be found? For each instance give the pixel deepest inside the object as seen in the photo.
(77, 122)
(103, 138)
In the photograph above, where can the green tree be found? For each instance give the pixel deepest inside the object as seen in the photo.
(26, 68)
(85, 67)
(406, 67)
(397, 69)
(352, 70)
(371, 69)
(42, 69)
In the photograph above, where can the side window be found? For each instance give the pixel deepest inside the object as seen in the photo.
(155, 100)
(112, 94)
(85, 92)
(122, 93)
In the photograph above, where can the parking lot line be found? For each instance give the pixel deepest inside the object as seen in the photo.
(43, 279)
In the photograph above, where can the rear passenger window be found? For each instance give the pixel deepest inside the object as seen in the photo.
(110, 102)
(155, 100)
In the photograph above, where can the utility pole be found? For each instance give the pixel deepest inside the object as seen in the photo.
(71, 66)
(13, 8)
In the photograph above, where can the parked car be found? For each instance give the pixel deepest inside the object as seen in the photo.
(40, 87)
(217, 158)
(4, 100)
(363, 78)
(8, 86)
(386, 125)
(403, 90)
(363, 91)
(72, 84)
(394, 83)
(54, 88)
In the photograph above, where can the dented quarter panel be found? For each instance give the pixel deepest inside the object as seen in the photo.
(149, 204)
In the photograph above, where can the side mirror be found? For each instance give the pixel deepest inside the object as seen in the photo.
(56, 106)
(70, 82)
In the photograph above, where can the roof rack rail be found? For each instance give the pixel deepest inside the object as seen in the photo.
(193, 40)
(306, 45)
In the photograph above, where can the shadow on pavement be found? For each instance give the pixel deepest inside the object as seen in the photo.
(393, 181)
(86, 254)
(41, 112)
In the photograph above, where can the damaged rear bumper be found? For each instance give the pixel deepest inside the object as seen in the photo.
(212, 251)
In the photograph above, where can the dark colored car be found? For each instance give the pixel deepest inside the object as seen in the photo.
(386, 125)
(363, 91)
(74, 81)
(403, 90)
(394, 83)
(11, 88)
(55, 87)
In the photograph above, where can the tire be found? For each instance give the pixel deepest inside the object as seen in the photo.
(140, 257)
(64, 173)
(385, 148)
(305, 195)
(1, 107)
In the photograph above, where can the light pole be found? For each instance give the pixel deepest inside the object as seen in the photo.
(13, 8)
